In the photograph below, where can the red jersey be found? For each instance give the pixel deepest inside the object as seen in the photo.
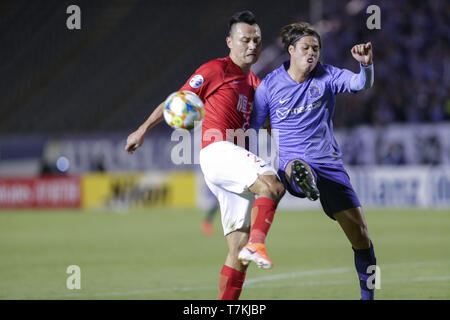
(227, 93)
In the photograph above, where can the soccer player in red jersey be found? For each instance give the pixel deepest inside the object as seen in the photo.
(235, 175)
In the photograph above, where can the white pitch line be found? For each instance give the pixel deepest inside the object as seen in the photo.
(299, 274)
(253, 283)
(336, 271)
(337, 282)
(135, 292)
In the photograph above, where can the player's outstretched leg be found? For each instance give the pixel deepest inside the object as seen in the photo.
(270, 191)
(302, 176)
(354, 225)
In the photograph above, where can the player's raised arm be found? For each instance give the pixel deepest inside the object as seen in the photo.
(363, 54)
(136, 138)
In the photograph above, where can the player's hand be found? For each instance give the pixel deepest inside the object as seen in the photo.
(135, 140)
(363, 53)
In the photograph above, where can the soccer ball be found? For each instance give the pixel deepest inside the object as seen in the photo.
(182, 109)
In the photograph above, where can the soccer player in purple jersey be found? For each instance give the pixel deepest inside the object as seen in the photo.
(299, 98)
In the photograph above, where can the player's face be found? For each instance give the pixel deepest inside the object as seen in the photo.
(244, 43)
(305, 53)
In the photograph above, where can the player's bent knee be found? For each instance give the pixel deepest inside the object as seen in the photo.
(278, 191)
(270, 187)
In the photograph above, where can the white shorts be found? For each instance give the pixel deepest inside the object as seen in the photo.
(229, 171)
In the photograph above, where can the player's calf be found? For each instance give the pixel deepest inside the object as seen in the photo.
(270, 191)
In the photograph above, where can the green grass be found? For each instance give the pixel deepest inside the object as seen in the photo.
(162, 254)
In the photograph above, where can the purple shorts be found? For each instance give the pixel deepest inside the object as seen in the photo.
(333, 182)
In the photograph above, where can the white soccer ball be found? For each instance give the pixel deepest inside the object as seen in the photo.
(182, 109)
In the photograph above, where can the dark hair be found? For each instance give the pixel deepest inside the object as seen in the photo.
(245, 16)
(291, 31)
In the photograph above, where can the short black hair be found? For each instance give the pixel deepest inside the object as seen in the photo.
(289, 32)
(245, 16)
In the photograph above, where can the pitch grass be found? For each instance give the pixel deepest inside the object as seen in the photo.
(162, 254)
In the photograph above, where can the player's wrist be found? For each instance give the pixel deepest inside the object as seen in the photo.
(143, 129)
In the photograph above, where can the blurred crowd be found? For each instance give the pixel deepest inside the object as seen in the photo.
(411, 59)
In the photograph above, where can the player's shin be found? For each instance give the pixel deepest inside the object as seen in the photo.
(230, 283)
(364, 258)
(263, 212)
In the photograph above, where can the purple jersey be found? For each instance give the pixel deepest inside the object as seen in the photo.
(302, 113)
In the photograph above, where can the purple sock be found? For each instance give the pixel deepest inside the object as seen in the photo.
(363, 259)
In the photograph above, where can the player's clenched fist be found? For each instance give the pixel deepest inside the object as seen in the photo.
(363, 53)
(134, 140)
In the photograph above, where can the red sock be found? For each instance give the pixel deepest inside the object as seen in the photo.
(230, 283)
(263, 211)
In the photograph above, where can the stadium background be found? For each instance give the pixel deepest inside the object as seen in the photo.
(69, 194)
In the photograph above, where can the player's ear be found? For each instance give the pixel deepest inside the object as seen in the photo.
(291, 49)
(228, 41)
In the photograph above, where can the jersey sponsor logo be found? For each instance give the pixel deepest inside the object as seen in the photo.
(245, 107)
(242, 103)
(283, 112)
(196, 81)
